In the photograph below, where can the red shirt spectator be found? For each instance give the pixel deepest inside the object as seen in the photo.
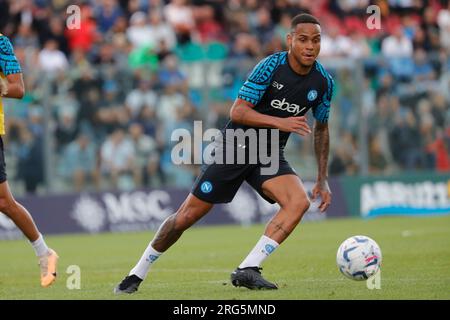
(83, 37)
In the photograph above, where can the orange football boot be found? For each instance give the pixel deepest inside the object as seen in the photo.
(48, 265)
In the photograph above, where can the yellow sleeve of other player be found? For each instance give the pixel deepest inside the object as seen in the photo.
(8, 65)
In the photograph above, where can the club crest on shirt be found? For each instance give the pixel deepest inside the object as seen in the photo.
(312, 95)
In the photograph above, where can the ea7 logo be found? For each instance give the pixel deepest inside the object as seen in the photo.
(277, 85)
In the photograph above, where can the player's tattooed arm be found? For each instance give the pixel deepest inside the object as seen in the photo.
(321, 148)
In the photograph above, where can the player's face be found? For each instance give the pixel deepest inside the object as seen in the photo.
(304, 43)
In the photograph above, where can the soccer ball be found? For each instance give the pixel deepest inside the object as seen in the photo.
(359, 258)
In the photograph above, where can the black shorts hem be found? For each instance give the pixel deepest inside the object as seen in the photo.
(212, 201)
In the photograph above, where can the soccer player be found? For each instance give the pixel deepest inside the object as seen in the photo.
(277, 94)
(11, 86)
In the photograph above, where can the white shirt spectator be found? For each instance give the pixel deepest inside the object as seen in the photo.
(443, 20)
(161, 31)
(168, 105)
(178, 14)
(51, 59)
(359, 48)
(138, 99)
(397, 46)
(335, 45)
(117, 153)
(140, 33)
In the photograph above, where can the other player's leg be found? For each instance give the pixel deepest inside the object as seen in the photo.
(48, 258)
(288, 191)
(192, 210)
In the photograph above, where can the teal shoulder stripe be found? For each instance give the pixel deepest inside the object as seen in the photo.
(321, 69)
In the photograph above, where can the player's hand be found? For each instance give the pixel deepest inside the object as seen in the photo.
(3, 87)
(322, 190)
(298, 125)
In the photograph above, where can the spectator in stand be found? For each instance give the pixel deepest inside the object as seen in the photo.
(171, 75)
(86, 35)
(55, 31)
(117, 160)
(26, 38)
(107, 14)
(427, 133)
(79, 163)
(169, 102)
(423, 71)
(443, 21)
(180, 16)
(397, 45)
(262, 25)
(440, 148)
(66, 129)
(359, 47)
(51, 59)
(139, 33)
(283, 27)
(398, 50)
(334, 44)
(209, 26)
(30, 160)
(431, 29)
(440, 109)
(161, 31)
(146, 152)
(406, 142)
(141, 97)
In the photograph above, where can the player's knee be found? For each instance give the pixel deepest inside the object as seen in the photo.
(305, 204)
(296, 205)
(6, 205)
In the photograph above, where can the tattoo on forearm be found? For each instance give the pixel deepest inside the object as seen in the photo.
(166, 235)
(321, 148)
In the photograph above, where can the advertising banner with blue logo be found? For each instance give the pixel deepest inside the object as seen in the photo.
(408, 194)
(143, 210)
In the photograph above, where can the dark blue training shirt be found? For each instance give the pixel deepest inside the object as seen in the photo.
(277, 90)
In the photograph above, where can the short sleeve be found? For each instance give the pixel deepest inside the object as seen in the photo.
(322, 111)
(8, 61)
(259, 79)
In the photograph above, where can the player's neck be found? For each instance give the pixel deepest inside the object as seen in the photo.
(297, 67)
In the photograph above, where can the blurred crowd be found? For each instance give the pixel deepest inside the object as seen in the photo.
(105, 93)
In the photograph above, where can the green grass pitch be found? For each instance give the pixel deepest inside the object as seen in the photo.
(416, 263)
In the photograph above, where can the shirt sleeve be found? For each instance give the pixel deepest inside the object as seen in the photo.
(259, 79)
(322, 111)
(8, 61)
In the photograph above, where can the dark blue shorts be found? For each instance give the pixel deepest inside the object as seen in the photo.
(219, 183)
